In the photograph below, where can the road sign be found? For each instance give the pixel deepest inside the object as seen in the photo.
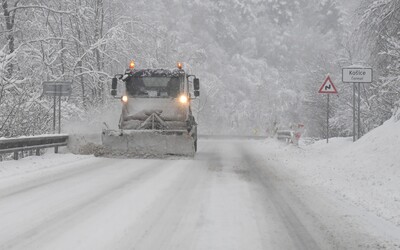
(328, 87)
(357, 75)
(57, 88)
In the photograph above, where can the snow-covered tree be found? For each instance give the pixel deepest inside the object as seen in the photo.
(381, 31)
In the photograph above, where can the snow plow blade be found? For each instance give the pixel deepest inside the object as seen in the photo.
(138, 143)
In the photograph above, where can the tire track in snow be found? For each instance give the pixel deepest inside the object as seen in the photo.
(173, 222)
(51, 178)
(299, 234)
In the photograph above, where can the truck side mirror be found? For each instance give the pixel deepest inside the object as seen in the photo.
(196, 93)
(196, 83)
(114, 83)
(114, 86)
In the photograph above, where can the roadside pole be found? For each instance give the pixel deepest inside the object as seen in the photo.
(327, 88)
(59, 109)
(359, 112)
(327, 119)
(354, 112)
(54, 115)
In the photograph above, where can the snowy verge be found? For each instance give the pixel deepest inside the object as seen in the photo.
(33, 164)
(84, 143)
(366, 173)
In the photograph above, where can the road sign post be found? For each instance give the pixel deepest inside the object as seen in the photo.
(354, 112)
(359, 111)
(327, 119)
(59, 110)
(54, 114)
(327, 88)
(357, 75)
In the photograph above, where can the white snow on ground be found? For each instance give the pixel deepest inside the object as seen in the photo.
(365, 173)
(233, 195)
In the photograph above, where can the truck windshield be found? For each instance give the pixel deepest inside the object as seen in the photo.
(153, 86)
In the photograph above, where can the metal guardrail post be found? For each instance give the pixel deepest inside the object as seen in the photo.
(15, 155)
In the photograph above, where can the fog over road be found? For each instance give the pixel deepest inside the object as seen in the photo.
(228, 197)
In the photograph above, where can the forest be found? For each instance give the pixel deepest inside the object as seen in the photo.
(260, 62)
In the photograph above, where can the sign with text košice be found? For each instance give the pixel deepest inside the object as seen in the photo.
(57, 88)
(357, 75)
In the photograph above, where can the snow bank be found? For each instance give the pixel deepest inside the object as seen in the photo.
(365, 173)
(33, 164)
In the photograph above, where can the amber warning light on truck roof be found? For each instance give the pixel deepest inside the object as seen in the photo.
(180, 65)
(132, 64)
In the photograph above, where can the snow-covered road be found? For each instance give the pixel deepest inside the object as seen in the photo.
(228, 197)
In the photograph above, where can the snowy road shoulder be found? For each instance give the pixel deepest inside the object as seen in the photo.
(36, 164)
(363, 178)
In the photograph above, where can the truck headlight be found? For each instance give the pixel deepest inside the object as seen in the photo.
(183, 99)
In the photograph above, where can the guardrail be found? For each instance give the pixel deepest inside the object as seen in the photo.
(22, 144)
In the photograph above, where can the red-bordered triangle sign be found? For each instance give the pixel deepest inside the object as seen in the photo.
(328, 87)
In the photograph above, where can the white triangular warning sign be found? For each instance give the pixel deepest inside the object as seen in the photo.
(328, 87)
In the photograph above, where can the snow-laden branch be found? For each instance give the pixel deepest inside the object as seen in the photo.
(47, 39)
(39, 7)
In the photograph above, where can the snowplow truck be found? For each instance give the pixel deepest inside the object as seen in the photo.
(156, 116)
